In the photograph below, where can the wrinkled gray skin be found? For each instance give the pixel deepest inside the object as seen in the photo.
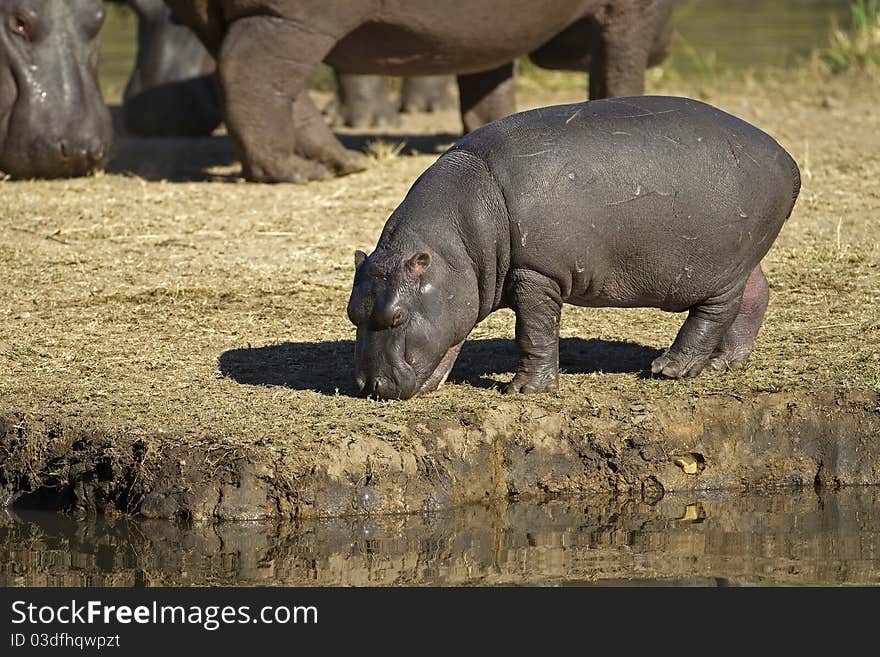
(276, 44)
(628, 202)
(53, 120)
(172, 91)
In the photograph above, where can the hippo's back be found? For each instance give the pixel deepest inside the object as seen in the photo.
(620, 199)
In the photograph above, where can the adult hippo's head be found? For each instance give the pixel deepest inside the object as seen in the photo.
(53, 120)
(410, 322)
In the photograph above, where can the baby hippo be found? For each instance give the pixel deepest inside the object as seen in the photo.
(646, 201)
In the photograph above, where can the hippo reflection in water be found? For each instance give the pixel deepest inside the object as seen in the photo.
(53, 120)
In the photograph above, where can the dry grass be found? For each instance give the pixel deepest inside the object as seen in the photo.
(216, 310)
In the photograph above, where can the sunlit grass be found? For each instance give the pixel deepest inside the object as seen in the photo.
(859, 46)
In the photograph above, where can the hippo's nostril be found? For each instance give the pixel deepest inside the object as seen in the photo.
(378, 388)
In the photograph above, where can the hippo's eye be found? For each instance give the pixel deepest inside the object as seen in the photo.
(20, 25)
(93, 25)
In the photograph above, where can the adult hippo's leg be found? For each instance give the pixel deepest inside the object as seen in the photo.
(426, 93)
(620, 50)
(537, 302)
(277, 131)
(737, 343)
(701, 334)
(172, 89)
(486, 96)
(363, 101)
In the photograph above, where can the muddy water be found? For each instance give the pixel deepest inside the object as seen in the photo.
(712, 35)
(801, 538)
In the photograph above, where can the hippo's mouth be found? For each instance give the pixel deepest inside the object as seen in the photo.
(441, 372)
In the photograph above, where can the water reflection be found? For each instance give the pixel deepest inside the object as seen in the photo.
(791, 538)
(715, 35)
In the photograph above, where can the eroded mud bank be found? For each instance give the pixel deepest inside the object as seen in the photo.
(517, 449)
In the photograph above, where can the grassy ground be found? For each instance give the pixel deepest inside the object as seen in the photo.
(213, 310)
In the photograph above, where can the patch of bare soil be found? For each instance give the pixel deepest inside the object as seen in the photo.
(174, 341)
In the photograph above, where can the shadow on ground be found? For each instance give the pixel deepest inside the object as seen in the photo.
(174, 159)
(213, 159)
(328, 368)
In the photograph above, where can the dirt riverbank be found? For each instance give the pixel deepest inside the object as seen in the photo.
(174, 342)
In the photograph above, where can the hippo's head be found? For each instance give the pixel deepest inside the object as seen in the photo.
(53, 120)
(171, 92)
(410, 322)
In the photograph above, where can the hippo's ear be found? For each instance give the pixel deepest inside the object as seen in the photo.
(359, 257)
(418, 263)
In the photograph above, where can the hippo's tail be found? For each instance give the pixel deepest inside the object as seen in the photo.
(795, 182)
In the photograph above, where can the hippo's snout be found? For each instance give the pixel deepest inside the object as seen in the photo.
(82, 157)
(400, 384)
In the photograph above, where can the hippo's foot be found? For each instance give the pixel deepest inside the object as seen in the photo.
(676, 365)
(362, 116)
(723, 361)
(296, 169)
(293, 169)
(527, 383)
(350, 162)
(426, 94)
(362, 102)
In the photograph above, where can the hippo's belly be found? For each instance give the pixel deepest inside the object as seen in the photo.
(479, 37)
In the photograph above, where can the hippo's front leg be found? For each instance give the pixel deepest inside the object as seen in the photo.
(278, 133)
(537, 302)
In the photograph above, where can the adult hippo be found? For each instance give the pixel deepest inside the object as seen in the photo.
(53, 120)
(266, 50)
(172, 91)
(626, 202)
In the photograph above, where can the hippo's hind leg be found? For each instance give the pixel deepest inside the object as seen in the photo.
(537, 302)
(700, 335)
(278, 133)
(738, 341)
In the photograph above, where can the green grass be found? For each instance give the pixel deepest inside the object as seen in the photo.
(859, 46)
